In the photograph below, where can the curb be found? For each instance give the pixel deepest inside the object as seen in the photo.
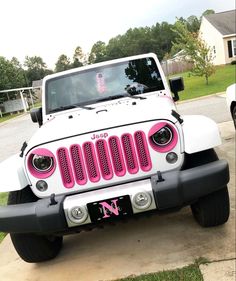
(220, 94)
(14, 118)
(223, 270)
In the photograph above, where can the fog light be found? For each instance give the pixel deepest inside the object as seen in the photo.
(171, 157)
(41, 185)
(142, 200)
(78, 214)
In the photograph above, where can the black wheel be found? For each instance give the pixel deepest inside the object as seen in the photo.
(233, 112)
(31, 247)
(212, 209)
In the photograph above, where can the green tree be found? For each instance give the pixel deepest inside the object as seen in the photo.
(196, 51)
(206, 13)
(98, 53)
(36, 68)
(78, 58)
(63, 63)
(157, 39)
(11, 74)
(114, 48)
(193, 24)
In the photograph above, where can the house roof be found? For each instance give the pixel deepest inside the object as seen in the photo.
(224, 22)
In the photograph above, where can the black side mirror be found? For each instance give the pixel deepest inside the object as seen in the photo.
(37, 115)
(176, 85)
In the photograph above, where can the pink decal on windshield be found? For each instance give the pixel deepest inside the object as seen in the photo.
(101, 87)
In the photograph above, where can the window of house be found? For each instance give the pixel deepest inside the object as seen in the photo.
(234, 47)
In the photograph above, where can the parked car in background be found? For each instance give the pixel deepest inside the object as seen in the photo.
(231, 101)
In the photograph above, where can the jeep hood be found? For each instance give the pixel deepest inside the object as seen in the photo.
(102, 117)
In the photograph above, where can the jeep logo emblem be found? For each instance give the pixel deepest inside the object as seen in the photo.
(99, 136)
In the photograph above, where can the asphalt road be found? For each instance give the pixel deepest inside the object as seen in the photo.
(213, 107)
(146, 245)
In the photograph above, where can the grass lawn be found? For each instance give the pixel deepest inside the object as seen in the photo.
(188, 273)
(3, 201)
(6, 117)
(196, 87)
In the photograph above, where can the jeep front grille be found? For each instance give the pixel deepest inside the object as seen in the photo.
(118, 156)
(129, 153)
(65, 167)
(78, 164)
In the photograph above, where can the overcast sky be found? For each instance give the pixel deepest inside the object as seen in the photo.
(49, 28)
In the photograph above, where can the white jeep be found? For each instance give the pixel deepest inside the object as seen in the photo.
(110, 146)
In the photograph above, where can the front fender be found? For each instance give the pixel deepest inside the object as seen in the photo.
(200, 133)
(12, 175)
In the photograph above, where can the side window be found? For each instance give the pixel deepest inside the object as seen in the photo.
(234, 47)
(230, 53)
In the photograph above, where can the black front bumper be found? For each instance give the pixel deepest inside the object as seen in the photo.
(171, 189)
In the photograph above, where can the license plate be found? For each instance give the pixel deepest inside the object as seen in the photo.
(110, 209)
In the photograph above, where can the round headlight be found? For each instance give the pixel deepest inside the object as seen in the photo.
(163, 136)
(42, 163)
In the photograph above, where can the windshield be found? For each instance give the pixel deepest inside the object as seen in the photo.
(103, 83)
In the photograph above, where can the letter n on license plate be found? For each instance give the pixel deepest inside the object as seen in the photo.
(110, 209)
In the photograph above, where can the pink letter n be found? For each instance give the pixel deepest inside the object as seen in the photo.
(106, 206)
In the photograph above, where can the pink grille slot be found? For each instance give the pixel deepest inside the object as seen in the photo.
(104, 159)
(129, 153)
(116, 156)
(65, 167)
(78, 164)
(142, 151)
(91, 162)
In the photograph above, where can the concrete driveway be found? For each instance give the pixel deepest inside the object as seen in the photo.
(146, 245)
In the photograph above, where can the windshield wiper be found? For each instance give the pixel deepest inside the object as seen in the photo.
(111, 98)
(61, 108)
(135, 97)
(120, 96)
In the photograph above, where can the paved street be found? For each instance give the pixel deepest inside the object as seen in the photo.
(146, 245)
(212, 106)
(13, 133)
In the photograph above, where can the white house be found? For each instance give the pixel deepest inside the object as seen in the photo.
(219, 32)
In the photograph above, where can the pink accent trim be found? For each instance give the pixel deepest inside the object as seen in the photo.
(167, 97)
(106, 206)
(65, 167)
(101, 87)
(91, 162)
(41, 152)
(117, 156)
(78, 164)
(129, 153)
(104, 159)
(169, 146)
(142, 151)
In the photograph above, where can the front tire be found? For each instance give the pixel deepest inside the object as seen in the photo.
(31, 247)
(212, 209)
